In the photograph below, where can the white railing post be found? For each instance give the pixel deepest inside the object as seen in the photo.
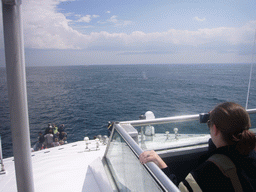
(2, 170)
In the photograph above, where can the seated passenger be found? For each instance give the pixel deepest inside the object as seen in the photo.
(48, 128)
(56, 142)
(229, 129)
(63, 141)
(61, 128)
(40, 140)
(49, 139)
(62, 135)
(55, 129)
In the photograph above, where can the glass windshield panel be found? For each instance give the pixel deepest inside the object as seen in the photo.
(129, 174)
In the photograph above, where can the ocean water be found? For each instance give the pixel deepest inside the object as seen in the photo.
(85, 98)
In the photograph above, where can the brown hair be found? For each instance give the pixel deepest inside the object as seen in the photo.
(234, 122)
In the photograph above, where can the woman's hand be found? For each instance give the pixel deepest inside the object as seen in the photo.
(152, 156)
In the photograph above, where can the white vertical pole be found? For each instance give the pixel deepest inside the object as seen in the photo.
(17, 94)
(2, 171)
(250, 78)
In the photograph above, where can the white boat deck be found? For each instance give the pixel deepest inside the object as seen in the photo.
(160, 141)
(63, 168)
(72, 168)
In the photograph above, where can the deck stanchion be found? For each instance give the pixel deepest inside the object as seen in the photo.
(17, 93)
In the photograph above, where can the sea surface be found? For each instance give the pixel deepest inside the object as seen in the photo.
(85, 98)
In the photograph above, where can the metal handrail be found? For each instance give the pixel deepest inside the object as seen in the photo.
(251, 111)
(162, 120)
(164, 180)
(174, 119)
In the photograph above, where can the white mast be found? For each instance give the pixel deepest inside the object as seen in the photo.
(17, 93)
(250, 78)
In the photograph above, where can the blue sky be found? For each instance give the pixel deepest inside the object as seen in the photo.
(84, 32)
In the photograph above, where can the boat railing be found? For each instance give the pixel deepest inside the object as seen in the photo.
(165, 120)
(128, 173)
(174, 132)
(2, 170)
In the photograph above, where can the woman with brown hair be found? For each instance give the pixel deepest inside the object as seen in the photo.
(232, 164)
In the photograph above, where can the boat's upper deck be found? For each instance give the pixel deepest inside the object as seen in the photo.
(116, 167)
(62, 168)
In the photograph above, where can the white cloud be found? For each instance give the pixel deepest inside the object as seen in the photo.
(108, 12)
(85, 19)
(199, 19)
(46, 28)
(95, 16)
(117, 22)
(113, 19)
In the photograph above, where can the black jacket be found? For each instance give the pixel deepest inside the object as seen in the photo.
(209, 177)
